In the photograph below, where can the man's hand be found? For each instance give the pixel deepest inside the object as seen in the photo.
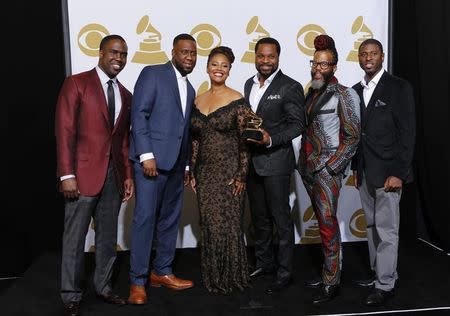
(69, 188)
(265, 141)
(149, 166)
(392, 184)
(128, 186)
(239, 186)
(355, 179)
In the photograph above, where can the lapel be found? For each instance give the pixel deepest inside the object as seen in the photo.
(190, 98)
(124, 106)
(362, 105)
(98, 91)
(320, 101)
(378, 91)
(248, 89)
(274, 86)
(173, 83)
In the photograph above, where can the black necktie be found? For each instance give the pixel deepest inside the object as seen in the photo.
(111, 102)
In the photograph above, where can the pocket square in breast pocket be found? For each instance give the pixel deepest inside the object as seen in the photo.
(379, 103)
(274, 97)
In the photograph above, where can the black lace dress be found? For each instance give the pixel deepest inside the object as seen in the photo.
(218, 156)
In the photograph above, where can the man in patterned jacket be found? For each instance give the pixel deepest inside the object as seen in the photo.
(328, 145)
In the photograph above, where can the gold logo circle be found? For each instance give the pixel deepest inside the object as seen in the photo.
(357, 224)
(89, 38)
(306, 36)
(207, 37)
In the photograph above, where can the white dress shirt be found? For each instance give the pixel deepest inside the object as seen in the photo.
(370, 86)
(258, 91)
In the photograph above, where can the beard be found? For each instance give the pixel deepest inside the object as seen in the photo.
(318, 84)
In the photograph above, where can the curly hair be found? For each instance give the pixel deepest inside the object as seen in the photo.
(224, 50)
(325, 42)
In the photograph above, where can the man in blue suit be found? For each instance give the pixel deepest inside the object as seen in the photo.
(159, 149)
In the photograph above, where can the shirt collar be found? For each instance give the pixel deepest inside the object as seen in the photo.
(103, 77)
(177, 73)
(268, 80)
(373, 81)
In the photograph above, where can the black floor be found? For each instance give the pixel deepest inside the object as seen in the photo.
(424, 274)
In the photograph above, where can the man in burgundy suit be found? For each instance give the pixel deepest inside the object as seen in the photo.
(92, 128)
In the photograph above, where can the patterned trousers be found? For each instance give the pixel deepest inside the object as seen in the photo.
(323, 190)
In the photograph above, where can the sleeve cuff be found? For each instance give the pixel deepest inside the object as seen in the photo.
(69, 176)
(146, 156)
(270, 142)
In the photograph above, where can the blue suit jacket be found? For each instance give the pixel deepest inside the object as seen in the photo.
(157, 121)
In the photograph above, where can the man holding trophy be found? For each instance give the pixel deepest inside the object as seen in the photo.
(278, 102)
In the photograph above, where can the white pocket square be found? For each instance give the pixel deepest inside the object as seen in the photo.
(379, 103)
(274, 97)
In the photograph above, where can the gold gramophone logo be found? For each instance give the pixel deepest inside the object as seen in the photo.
(203, 88)
(363, 33)
(253, 27)
(89, 38)
(350, 181)
(149, 51)
(207, 37)
(312, 235)
(306, 36)
(357, 224)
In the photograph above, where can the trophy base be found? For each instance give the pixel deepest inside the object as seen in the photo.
(252, 134)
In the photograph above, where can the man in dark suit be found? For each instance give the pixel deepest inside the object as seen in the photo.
(279, 101)
(92, 129)
(159, 147)
(383, 163)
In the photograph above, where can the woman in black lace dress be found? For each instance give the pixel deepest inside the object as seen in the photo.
(219, 167)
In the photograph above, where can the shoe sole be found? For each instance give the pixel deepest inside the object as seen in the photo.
(178, 288)
(137, 303)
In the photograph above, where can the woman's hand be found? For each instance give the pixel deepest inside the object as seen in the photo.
(239, 186)
(193, 185)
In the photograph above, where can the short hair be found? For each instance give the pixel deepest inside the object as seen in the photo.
(268, 40)
(224, 50)
(182, 36)
(372, 41)
(325, 42)
(108, 38)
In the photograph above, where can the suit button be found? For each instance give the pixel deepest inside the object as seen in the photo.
(363, 134)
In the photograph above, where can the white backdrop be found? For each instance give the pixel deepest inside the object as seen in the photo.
(149, 27)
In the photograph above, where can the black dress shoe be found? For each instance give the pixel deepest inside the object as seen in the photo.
(278, 285)
(326, 293)
(378, 297)
(72, 309)
(366, 283)
(314, 283)
(260, 272)
(112, 299)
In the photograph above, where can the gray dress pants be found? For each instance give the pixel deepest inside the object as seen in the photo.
(104, 208)
(383, 221)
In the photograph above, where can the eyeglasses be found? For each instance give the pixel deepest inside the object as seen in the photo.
(323, 64)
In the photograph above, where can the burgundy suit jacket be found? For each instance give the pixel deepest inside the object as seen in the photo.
(85, 138)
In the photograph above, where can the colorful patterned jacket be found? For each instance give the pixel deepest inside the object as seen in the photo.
(333, 130)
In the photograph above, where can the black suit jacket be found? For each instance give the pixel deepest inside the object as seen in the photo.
(387, 132)
(282, 108)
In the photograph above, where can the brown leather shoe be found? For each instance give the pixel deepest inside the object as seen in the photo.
(170, 281)
(138, 296)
